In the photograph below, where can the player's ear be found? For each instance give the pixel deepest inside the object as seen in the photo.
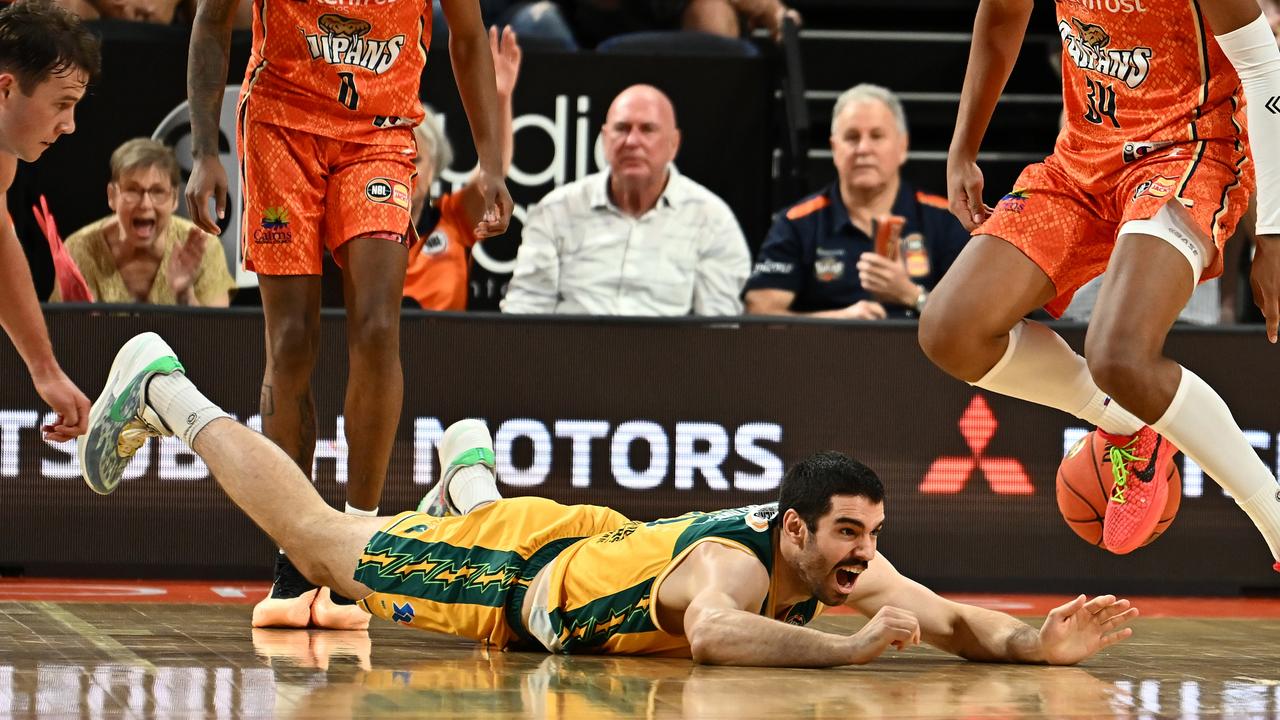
(7, 82)
(793, 527)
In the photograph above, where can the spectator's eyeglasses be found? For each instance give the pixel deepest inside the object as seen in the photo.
(133, 195)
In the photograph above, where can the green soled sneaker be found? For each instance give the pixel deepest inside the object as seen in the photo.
(465, 443)
(120, 420)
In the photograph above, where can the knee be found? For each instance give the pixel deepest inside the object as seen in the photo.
(374, 333)
(1116, 369)
(292, 344)
(949, 343)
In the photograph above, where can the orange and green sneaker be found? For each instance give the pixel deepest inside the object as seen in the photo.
(1140, 470)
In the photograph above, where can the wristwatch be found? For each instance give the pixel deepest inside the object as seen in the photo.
(921, 299)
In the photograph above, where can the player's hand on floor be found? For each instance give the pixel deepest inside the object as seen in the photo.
(891, 627)
(1080, 628)
(497, 205)
(964, 192)
(208, 180)
(1265, 279)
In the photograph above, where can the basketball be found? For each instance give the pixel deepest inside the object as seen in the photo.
(1084, 484)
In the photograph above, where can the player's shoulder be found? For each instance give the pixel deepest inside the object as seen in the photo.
(808, 206)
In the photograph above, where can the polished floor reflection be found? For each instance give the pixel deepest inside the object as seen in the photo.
(167, 660)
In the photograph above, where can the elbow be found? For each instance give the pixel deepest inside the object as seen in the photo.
(705, 640)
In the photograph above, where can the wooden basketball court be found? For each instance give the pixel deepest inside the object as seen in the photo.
(101, 649)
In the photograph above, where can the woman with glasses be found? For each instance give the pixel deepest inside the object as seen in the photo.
(142, 253)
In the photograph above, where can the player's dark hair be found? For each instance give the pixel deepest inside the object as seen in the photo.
(39, 40)
(810, 484)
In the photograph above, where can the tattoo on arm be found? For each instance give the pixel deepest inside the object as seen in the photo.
(207, 72)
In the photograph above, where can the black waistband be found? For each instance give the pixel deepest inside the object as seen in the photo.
(515, 598)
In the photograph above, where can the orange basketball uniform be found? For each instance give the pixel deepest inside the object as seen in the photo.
(324, 127)
(1151, 117)
(440, 263)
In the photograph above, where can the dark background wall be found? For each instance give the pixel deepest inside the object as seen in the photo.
(738, 400)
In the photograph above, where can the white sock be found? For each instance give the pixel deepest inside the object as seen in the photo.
(472, 486)
(181, 405)
(353, 510)
(1201, 425)
(1040, 367)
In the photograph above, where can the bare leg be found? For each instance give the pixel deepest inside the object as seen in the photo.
(267, 485)
(972, 328)
(373, 283)
(965, 326)
(291, 306)
(1146, 285)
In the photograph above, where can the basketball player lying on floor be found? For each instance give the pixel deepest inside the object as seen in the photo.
(727, 587)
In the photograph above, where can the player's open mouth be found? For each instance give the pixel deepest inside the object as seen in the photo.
(847, 576)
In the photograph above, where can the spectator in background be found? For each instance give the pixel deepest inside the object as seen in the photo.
(598, 20)
(159, 12)
(819, 257)
(538, 21)
(637, 238)
(143, 253)
(440, 260)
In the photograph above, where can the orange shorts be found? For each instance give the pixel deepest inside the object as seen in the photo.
(1069, 231)
(304, 193)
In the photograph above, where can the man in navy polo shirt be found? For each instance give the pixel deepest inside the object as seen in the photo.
(819, 257)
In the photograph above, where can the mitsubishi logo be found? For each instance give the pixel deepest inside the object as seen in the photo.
(1005, 475)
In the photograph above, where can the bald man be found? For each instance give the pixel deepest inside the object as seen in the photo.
(637, 238)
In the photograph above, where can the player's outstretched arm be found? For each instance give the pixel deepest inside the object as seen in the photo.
(21, 318)
(506, 53)
(1071, 632)
(206, 80)
(997, 37)
(720, 590)
(1246, 39)
(477, 86)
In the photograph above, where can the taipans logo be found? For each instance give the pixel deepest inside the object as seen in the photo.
(1015, 201)
(829, 265)
(1086, 44)
(1158, 186)
(275, 227)
(343, 42)
(760, 518)
(1134, 151)
(386, 190)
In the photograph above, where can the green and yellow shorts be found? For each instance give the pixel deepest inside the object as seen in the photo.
(462, 575)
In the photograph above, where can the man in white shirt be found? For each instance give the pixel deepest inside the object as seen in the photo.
(637, 238)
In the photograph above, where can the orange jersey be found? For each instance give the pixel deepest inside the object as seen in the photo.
(343, 69)
(440, 262)
(1139, 77)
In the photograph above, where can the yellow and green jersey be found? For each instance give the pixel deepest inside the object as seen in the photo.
(603, 588)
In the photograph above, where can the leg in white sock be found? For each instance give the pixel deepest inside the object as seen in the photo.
(1201, 425)
(1039, 366)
